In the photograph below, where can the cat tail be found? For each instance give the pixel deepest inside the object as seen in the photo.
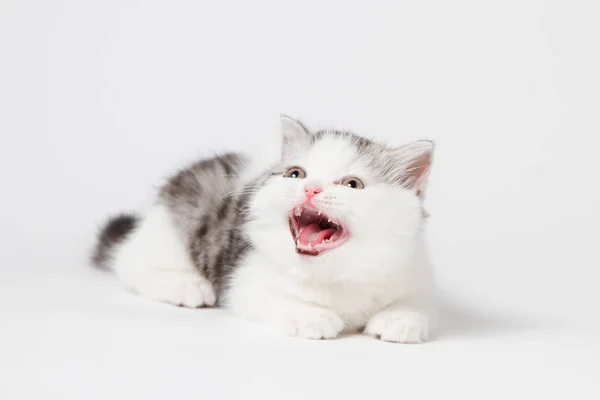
(114, 232)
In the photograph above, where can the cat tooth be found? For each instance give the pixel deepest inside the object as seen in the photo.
(298, 212)
(310, 246)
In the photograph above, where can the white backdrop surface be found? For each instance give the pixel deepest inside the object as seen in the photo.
(100, 101)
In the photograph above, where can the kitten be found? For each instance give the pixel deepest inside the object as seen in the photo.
(329, 240)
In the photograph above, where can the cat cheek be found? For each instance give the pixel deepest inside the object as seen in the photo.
(296, 194)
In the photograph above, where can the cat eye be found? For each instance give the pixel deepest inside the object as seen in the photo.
(295, 172)
(353, 183)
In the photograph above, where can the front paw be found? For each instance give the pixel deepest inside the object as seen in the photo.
(314, 324)
(399, 326)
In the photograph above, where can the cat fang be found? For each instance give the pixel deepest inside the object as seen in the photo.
(314, 232)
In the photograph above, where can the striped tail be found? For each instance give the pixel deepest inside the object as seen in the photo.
(111, 234)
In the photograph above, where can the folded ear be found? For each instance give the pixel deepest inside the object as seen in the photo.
(413, 163)
(295, 135)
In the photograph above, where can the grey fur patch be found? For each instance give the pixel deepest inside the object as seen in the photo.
(204, 201)
(363, 145)
(111, 234)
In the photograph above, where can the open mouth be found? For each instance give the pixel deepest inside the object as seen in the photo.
(314, 232)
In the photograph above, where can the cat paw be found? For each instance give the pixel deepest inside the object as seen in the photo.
(180, 289)
(399, 326)
(314, 324)
(196, 293)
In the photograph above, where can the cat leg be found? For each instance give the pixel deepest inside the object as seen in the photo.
(292, 317)
(307, 321)
(154, 263)
(259, 295)
(400, 323)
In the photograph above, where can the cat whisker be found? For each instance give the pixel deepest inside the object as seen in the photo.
(242, 190)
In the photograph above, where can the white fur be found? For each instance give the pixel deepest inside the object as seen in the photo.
(154, 263)
(380, 278)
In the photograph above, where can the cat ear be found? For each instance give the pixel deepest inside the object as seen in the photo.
(413, 165)
(292, 129)
(294, 133)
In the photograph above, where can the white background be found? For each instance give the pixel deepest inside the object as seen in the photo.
(100, 100)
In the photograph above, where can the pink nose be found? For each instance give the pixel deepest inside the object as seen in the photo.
(312, 191)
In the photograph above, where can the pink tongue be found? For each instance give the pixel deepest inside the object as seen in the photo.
(314, 235)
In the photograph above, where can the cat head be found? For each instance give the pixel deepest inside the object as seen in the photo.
(339, 206)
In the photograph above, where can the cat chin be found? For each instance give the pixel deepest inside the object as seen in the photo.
(361, 259)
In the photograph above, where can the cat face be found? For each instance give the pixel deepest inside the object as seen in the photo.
(339, 206)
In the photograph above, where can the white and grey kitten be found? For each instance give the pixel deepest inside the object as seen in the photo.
(329, 240)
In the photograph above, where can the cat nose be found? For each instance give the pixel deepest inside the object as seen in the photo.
(311, 191)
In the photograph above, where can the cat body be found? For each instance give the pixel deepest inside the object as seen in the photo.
(328, 240)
